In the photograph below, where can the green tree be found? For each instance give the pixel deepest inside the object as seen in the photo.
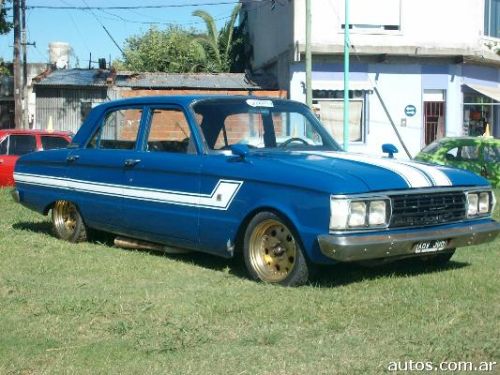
(5, 25)
(219, 44)
(173, 50)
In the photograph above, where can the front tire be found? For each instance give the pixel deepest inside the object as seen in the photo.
(272, 251)
(67, 222)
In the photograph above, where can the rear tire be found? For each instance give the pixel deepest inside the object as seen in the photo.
(272, 251)
(67, 222)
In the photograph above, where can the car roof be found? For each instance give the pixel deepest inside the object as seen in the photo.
(33, 131)
(468, 138)
(182, 99)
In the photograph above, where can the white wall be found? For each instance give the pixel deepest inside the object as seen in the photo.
(434, 24)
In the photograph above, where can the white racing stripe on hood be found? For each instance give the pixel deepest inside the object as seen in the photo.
(438, 177)
(414, 177)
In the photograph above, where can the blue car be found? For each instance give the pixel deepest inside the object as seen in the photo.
(254, 177)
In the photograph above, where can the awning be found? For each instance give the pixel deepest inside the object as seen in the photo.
(339, 85)
(489, 91)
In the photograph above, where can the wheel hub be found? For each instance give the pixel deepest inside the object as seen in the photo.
(272, 250)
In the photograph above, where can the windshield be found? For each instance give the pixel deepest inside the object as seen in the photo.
(261, 124)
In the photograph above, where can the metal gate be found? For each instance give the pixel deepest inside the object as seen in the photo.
(433, 121)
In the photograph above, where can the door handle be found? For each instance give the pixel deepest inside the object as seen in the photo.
(1, 161)
(72, 158)
(132, 162)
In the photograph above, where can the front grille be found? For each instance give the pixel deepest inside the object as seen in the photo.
(427, 209)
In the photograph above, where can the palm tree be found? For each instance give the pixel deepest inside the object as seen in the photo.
(218, 43)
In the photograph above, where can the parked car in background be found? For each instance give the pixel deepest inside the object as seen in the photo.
(253, 177)
(480, 155)
(14, 143)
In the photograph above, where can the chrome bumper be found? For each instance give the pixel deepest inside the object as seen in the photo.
(364, 246)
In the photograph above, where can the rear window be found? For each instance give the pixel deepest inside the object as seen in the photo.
(50, 142)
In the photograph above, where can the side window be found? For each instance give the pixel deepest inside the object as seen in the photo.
(469, 152)
(241, 128)
(118, 130)
(492, 153)
(50, 142)
(452, 154)
(3, 146)
(21, 144)
(169, 132)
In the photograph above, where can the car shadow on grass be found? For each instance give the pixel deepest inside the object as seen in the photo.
(42, 227)
(349, 273)
(324, 276)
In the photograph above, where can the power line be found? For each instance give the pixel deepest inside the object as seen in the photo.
(105, 29)
(59, 7)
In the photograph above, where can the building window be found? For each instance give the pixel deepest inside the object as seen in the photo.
(329, 107)
(478, 113)
(492, 18)
(366, 16)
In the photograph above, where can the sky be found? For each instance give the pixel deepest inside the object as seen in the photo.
(83, 29)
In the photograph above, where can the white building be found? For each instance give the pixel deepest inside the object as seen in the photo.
(435, 64)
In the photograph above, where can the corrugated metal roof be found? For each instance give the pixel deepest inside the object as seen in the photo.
(74, 77)
(97, 77)
(222, 81)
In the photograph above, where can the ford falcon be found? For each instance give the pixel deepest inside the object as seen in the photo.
(254, 177)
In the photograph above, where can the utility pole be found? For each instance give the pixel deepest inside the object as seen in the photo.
(18, 103)
(308, 55)
(24, 117)
(347, 43)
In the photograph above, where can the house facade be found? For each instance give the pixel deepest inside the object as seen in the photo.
(424, 69)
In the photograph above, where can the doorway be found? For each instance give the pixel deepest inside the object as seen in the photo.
(434, 115)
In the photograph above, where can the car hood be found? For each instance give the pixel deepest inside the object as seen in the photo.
(343, 172)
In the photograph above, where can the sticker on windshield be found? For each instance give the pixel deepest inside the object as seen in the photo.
(260, 103)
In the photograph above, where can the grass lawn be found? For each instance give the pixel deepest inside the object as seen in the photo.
(92, 308)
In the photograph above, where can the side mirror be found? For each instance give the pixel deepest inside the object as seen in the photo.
(390, 149)
(240, 150)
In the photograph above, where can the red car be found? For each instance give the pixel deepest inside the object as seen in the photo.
(14, 143)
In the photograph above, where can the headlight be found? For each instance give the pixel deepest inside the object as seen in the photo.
(358, 213)
(378, 213)
(480, 203)
(357, 216)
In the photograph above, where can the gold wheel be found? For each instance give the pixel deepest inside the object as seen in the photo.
(67, 222)
(272, 251)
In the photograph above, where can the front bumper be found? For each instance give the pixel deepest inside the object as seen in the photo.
(365, 246)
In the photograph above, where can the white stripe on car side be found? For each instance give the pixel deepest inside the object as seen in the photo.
(220, 198)
(414, 174)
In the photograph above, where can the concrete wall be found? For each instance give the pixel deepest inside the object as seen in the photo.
(426, 24)
(271, 29)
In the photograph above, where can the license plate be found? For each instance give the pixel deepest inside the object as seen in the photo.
(430, 246)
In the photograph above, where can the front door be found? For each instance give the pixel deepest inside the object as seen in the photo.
(434, 121)
(162, 196)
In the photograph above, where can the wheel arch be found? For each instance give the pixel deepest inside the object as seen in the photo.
(282, 214)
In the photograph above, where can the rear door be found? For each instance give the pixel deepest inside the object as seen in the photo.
(11, 148)
(95, 173)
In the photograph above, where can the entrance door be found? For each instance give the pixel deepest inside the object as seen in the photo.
(434, 115)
